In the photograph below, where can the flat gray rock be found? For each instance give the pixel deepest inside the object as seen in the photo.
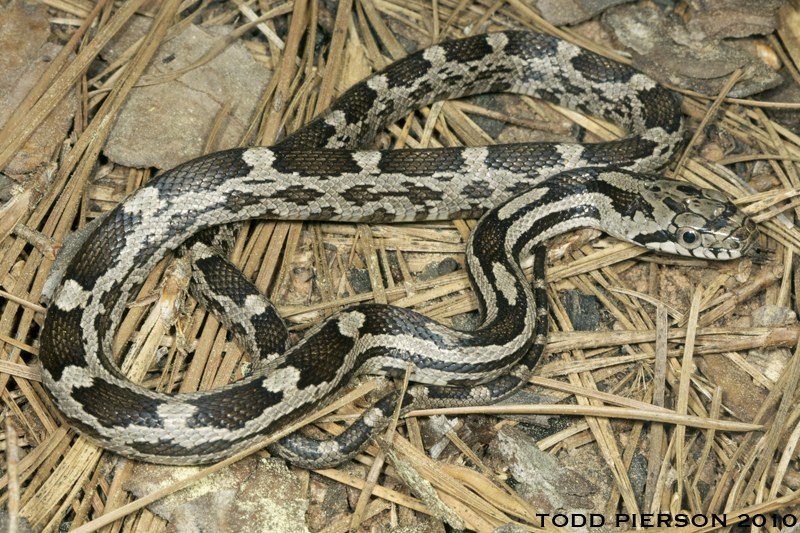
(718, 19)
(559, 12)
(26, 54)
(663, 49)
(168, 123)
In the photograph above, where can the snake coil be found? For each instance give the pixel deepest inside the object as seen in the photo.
(530, 191)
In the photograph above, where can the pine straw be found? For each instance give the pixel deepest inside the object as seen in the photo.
(60, 476)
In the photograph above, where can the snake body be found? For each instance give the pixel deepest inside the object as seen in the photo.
(531, 192)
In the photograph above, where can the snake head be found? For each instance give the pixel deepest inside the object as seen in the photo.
(697, 222)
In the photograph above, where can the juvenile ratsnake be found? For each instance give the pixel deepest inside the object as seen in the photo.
(534, 191)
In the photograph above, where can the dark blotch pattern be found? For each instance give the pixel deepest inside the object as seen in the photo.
(689, 190)
(63, 345)
(233, 409)
(320, 356)
(114, 407)
(228, 280)
(674, 205)
(419, 195)
(315, 164)
(662, 110)
(362, 194)
(414, 163)
(479, 189)
(601, 70)
(298, 194)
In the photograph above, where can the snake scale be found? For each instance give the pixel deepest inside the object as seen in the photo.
(527, 193)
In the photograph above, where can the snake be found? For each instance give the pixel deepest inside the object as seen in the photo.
(524, 194)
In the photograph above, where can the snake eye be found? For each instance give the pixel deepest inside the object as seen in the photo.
(688, 238)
